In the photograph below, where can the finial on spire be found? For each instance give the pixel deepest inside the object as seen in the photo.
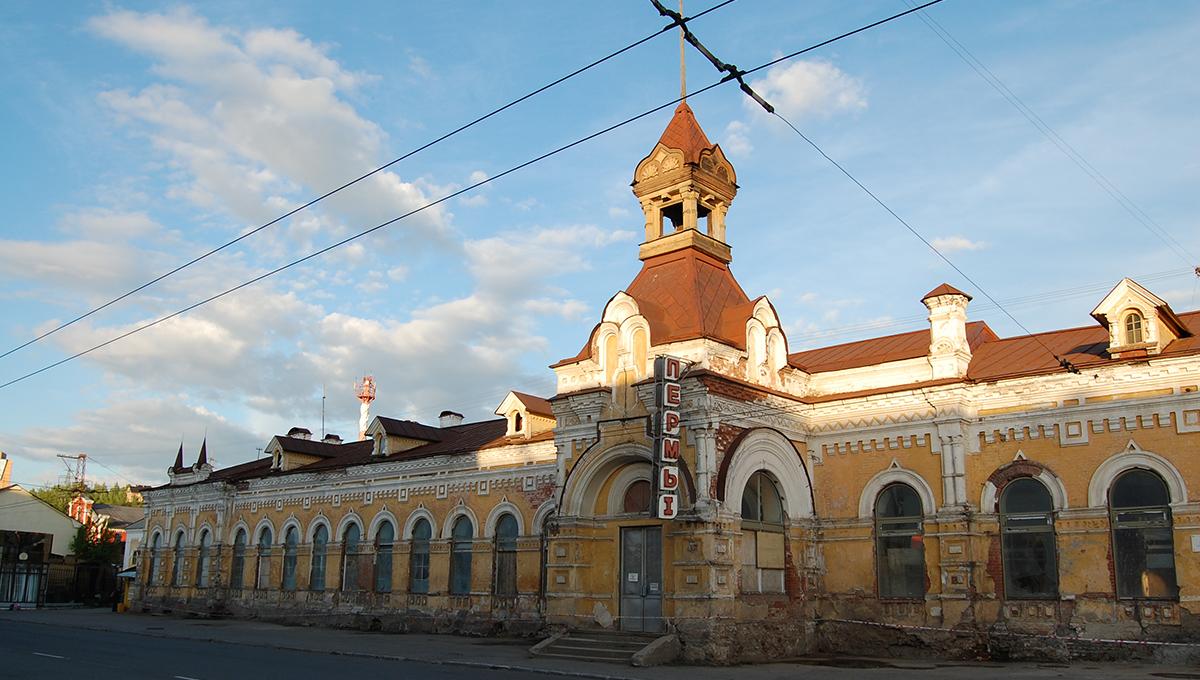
(682, 61)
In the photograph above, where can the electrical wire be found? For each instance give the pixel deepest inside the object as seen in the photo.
(679, 22)
(1063, 145)
(1062, 361)
(439, 201)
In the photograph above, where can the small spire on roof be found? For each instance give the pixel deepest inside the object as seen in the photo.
(203, 459)
(178, 458)
(945, 289)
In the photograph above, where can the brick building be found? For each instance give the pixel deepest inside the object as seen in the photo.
(902, 490)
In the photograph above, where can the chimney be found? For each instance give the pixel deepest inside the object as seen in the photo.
(449, 419)
(332, 438)
(300, 433)
(949, 350)
(5, 470)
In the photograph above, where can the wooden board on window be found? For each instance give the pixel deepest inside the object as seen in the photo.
(770, 550)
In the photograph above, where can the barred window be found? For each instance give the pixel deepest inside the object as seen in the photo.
(262, 567)
(203, 560)
(177, 561)
(461, 541)
(316, 577)
(1028, 549)
(350, 557)
(385, 537)
(900, 542)
(237, 568)
(1143, 536)
(418, 560)
(291, 541)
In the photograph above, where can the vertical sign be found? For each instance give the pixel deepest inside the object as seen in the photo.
(669, 396)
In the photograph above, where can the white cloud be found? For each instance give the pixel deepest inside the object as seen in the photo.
(810, 87)
(398, 273)
(736, 139)
(953, 244)
(258, 119)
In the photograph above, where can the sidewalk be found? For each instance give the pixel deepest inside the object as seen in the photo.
(511, 654)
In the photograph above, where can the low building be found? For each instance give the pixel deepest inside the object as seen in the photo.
(33, 534)
(945, 487)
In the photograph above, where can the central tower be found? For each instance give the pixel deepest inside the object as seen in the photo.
(685, 187)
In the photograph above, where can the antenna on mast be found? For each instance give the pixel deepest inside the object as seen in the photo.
(322, 410)
(76, 475)
(682, 61)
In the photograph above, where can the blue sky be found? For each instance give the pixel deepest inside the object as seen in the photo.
(138, 135)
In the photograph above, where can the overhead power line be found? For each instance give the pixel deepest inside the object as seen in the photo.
(734, 73)
(682, 21)
(445, 198)
(1061, 144)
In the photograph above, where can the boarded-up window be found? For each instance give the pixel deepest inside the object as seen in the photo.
(764, 541)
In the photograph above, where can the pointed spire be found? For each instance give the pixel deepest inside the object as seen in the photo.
(684, 133)
(178, 458)
(203, 459)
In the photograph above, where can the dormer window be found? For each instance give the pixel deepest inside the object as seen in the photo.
(518, 424)
(1133, 328)
(378, 444)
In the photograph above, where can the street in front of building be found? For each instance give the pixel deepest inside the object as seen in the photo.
(100, 645)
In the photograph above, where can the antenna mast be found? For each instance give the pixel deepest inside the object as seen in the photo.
(76, 475)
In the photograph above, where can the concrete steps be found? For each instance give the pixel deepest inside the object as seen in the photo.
(594, 645)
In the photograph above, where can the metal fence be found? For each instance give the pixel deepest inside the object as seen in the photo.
(34, 585)
(23, 584)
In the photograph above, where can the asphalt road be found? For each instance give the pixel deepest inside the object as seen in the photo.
(31, 651)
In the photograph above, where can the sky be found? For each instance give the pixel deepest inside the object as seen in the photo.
(140, 135)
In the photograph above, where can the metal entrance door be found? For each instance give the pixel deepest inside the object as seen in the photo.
(641, 579)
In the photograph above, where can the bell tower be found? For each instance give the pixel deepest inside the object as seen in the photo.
(685, 187)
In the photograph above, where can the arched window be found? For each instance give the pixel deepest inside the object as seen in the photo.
(385, 538)
(506, 556)
(351, 539)
(177, 562)
(202, 559)
(900, 543)
(1133, 328)
(518, 422)
(262, 567)
(1027, 540)
(316, 575)
(637, 497)
(155, 559)
(763, 537)
(418, 559)
(461, 538)
(1143, 539)
(237, 568)
(291, 543)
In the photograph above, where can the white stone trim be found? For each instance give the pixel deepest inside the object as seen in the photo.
(291, 522)
(632, 472)
(378, 520)
(544, 510)
(264, 522)
(870, 492)
(211, 531)
(767, 450)
(319, 520)
(411, 523)
(1129, 458)
(1058, 492)
(489, 526)
(589, 474)
(240, 524)
(460, 511)
(345, 522)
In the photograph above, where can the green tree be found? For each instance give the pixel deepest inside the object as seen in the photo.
(97, 546)
(60, 496)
